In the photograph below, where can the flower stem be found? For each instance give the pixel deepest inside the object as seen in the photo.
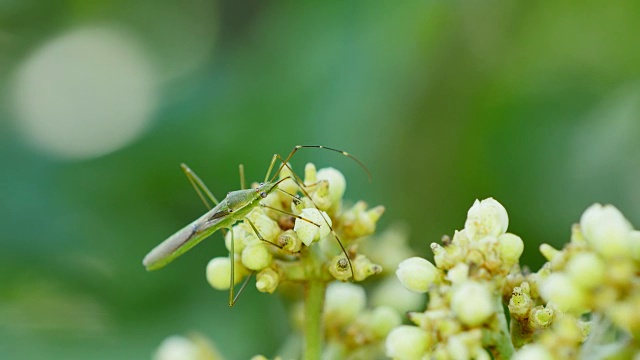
(314, 301)
(504, 347)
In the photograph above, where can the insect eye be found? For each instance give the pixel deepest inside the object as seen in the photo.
(263, 194)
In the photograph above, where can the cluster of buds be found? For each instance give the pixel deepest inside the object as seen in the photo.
(594, 276)
(464, 316)
(277, 239)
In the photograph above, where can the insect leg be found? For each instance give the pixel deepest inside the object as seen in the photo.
(296, 179)
(199, 186)
(244, 284)
(290, 214)
(258, 234)
(241, 169)
(232, 260)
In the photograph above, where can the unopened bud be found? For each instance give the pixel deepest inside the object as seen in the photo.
(267, 280)
(289, 241)
(407, 342)
(313, 226)
(340, 268)
(486, 217)
(363, 268)
(256, 256)
(417, 274)
(472, 303)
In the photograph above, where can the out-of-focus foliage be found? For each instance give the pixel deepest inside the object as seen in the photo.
(534, 103)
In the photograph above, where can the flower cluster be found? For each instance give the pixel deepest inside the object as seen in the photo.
(595, 277)
(584, 301)
(276, 240)
(464, 288)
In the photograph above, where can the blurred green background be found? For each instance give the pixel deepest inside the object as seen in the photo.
(536, 104)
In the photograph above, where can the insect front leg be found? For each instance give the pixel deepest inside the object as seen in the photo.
(199, 186)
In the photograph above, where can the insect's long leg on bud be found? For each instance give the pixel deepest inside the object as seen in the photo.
(296, 179)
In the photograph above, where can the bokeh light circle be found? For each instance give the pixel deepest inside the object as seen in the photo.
(85, 93)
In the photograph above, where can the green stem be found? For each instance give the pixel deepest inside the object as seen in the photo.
(501, 347)
(314, 301)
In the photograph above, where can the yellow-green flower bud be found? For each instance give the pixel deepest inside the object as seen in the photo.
(383, 320)
(520, 303)
(549, 252)
(256, 256)
(267, 280)
(320, 196)
(343, 302)
(337, 183)
(310, 174)
(472, 303)
(289, 241)
(339, 268)
(486, 217)
(607, 230)
(408, 342)
(586, 269)
(510, 247)
(219, 272)
(308, 232)
(417, 274)
(562, 291)
(259, 357)
(540, 317)
(363, 268)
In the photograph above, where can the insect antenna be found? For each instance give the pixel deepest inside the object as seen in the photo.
(298, 147)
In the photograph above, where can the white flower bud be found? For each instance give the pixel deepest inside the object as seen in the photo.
(458, 274)
(266, 226)
(563, 292)
(383, 320)
(267, 280)
(607, 230)
(239, 239)
(392, 293)
(586, 269)
(407, 342)
(472, 303)
(337, 183)
(510, 247)
(308, 232)
(343, 302)
(417, 274)
(486, 217)
(533, 352)
(256, 256)
(219, 272)
(177, 348)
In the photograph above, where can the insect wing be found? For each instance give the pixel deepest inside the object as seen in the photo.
(184, 239)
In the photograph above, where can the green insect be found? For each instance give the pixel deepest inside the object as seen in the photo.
(233, 208)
